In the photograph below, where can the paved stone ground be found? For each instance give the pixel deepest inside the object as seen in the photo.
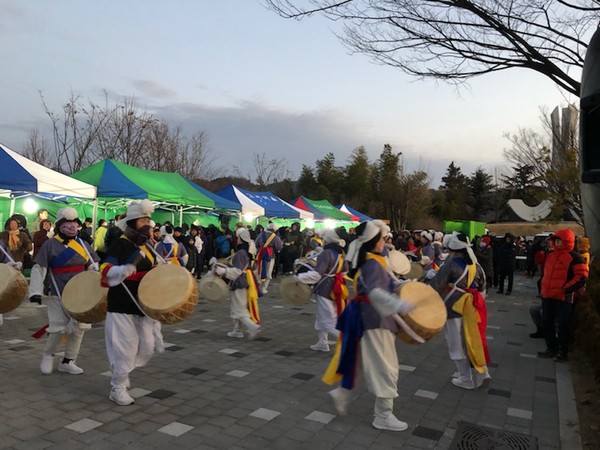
(210, 391)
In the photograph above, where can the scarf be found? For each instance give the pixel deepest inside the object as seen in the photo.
(14, 239)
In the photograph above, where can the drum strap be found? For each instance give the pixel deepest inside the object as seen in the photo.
(67, 269)
(7, 254)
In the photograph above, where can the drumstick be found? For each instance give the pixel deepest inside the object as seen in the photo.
(407, 329)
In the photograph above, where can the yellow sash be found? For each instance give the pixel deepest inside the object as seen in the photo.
(252, 297)
(473, 342)
(76, 246)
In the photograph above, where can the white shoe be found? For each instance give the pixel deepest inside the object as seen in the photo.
(253, 333)
(320, 347)
(481, 379)
(390, 423)
(463, 383)
(70, 367)
(235, 334)
(127, 383)
(121, 397)
(47, 364)
(340, 400)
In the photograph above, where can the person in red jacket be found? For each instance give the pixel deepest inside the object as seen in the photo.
(565, 272)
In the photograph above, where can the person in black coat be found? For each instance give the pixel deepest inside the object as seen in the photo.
(507, 253)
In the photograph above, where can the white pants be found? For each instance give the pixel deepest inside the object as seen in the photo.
(60, 323)
(130, 342)
(265, 283)
(380, 362)
(454, 339)
(326, 318)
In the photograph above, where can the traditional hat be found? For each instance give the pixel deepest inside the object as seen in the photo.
(330, 237)
(438, 235)
(136, 210)
(427, 235)
(460, 241)
(66, 215)
(244, 235)
(272, 227)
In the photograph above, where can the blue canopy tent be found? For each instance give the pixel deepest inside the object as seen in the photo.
(220, 202)
(361, 217)
(276, 207)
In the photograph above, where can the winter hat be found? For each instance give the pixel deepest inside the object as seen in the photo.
(66, 215)
(567, 236)
(486, 240)
(136, 210)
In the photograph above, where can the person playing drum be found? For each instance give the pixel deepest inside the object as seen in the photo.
(130, 336)
(58, 260)
(461, 283)
(5, 258)
(244, 287)
(329, 288)
(368, 329)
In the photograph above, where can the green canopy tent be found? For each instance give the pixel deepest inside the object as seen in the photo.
(119, 183)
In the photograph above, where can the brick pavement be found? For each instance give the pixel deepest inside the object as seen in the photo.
(210, 391)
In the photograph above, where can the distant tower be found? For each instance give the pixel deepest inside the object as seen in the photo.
(564, 131)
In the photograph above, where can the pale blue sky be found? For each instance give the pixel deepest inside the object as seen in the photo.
(253, 82)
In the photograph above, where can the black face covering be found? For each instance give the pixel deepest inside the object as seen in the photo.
(139, 236)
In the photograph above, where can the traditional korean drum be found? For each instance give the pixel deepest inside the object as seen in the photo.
(294, 292)
(213, 288)
(429, 315)
(84, 299)
(304, 264)
(416, 272)
(398, 262)
(13, 288)
(168, 293)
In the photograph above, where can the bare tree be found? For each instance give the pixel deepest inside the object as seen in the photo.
(454, 40)
(75, 131)
(266, 171)
(36, 149)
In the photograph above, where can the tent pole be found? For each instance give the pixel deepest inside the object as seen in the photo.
(181, 215)
(94, 216)
(12, 206)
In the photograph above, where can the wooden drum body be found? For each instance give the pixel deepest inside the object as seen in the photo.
(294, 292)
(13, 288)
(213, 288)
(84, 298)
(168, 293)
(429, 315)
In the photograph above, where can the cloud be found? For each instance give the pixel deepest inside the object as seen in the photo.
(237, 133)
(153, 89)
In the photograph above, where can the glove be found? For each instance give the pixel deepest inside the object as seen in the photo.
(220, 271)
(117, 274)
(36, 299)
(18, 265)
(430, 274)
(93, 267)
(212, 261)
